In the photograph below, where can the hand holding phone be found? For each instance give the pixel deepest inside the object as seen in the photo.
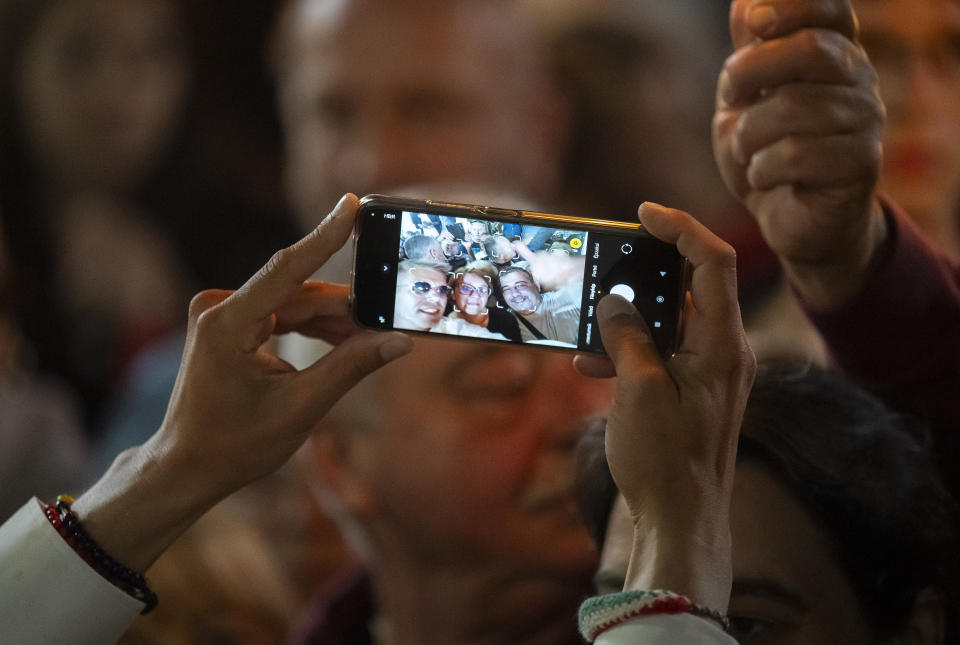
(541, 287)
(672, 431)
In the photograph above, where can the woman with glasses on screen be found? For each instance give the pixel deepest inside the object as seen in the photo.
(474, 301)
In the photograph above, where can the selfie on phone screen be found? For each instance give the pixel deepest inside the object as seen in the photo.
(527, 284)
(464, 273)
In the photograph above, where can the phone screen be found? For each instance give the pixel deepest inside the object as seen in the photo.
(506, 280)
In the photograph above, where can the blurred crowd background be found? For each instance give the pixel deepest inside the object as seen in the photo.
(152, 148)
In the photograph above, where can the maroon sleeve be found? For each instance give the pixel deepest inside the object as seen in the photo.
(900, 336)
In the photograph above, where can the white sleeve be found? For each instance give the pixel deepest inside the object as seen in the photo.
(48, 594)
(666, 629)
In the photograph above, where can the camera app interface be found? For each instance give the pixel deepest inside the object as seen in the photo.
(513, 282)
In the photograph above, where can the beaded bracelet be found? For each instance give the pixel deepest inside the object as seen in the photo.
(600, 613)
(67, 524)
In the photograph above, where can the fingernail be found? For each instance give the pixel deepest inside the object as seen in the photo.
(650, 207)
(612, 305)
(762, 18)
(331, 215)
(396, 347)
(727, 93)
(736, 149)
(339, 207)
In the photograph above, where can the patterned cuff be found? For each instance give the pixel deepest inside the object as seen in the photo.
(600, 613)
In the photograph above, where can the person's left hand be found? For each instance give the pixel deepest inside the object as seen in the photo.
(671, 437)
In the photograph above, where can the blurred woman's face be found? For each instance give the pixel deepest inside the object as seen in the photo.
(101, 86)
(915, 47)
(471, 294)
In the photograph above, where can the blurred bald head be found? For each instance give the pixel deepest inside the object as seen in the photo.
(377, 94)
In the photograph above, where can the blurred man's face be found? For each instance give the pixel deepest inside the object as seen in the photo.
(503, 251)
(434, 252)
(915, 46)
(421, 299)
(378, 94)
(520, 292)
(478, 230)
(450, 246)
(474, 462)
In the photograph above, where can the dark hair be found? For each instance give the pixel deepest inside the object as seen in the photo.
(864, 472)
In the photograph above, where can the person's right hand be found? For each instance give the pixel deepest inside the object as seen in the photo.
(237, 411)
(671, 437)
(255, 409)
(797, 136)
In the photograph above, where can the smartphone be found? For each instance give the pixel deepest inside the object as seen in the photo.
(508, 275)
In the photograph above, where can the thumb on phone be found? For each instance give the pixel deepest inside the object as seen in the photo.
(627, 338)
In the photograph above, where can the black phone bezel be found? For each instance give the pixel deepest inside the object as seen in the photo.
(369, 272)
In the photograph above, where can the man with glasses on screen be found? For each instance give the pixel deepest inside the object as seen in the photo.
(422, 292)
